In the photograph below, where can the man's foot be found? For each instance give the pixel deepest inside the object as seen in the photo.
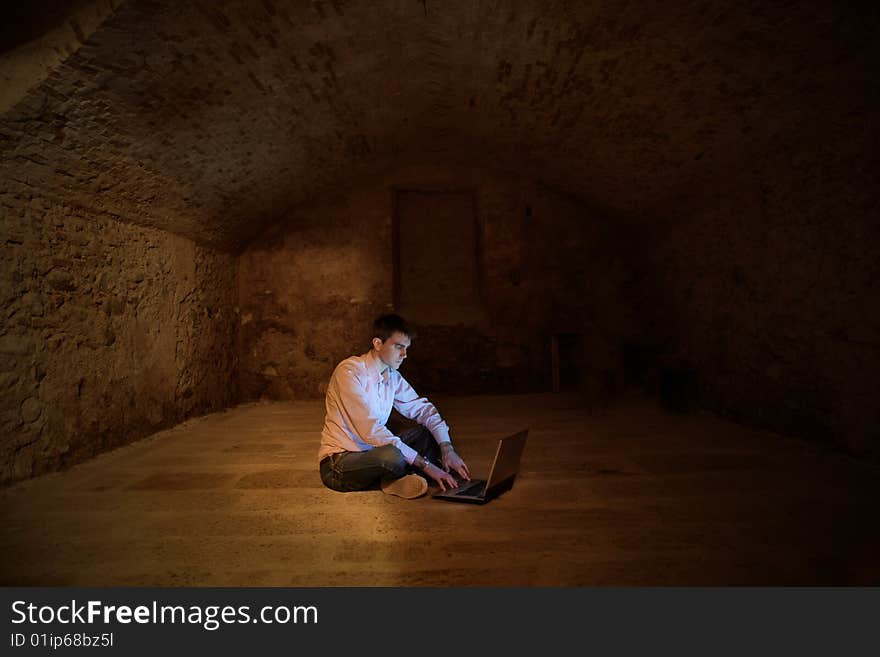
(409, 486)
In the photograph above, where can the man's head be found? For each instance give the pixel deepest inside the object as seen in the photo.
(391, 339)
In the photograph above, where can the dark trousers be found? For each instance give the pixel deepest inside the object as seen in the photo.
(348, 471)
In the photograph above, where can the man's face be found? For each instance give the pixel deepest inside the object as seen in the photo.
(392, 352)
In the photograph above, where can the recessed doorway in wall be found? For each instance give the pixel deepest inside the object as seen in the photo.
(436, 257)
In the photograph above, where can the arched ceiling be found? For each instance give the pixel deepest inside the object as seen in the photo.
(210, 118)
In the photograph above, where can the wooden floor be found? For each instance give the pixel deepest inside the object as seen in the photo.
(632, 496)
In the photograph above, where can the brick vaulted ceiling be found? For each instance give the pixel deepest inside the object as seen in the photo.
(210, 118)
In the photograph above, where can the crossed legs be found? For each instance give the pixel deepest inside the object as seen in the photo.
(350, 471)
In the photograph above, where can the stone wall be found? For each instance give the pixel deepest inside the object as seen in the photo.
(311, 285)
(768, 287)
(110, 332)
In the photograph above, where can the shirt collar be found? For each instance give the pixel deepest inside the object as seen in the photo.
(370, 363)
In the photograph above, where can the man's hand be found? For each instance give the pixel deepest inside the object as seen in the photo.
(452, 461)
(442, 477)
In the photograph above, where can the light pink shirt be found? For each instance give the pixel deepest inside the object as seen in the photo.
(359, 402)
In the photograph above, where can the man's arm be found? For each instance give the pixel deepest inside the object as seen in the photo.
(355, 407)
(411, 406)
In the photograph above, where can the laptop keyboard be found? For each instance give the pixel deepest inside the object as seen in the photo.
(473, 489)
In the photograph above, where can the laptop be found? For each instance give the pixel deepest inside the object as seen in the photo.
(501, 476)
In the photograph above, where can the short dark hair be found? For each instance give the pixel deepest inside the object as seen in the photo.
(387, 325)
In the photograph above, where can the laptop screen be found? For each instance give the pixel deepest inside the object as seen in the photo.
(507, 458)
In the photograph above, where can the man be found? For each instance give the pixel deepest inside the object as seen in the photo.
(357, 449)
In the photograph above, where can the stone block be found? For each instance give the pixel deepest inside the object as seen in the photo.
(16, 345)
